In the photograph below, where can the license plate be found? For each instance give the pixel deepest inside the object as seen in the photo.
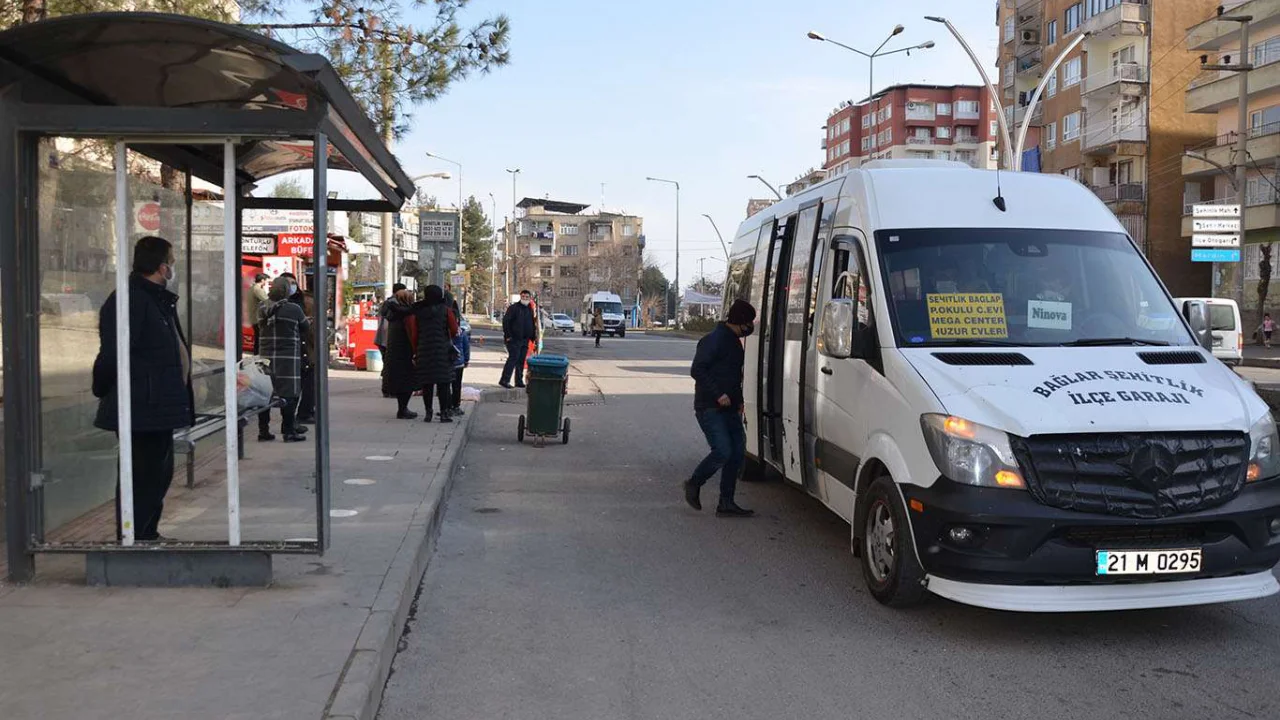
(1217, 342)
(1148, 562)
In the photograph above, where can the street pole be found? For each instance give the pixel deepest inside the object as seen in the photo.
(995, 95)
(871, 56)
(1228, 278)
(509, 242)
(717, 229)
(493, 256)
(677, 186)
(1035, 98)
(773, 189)
(388, 256)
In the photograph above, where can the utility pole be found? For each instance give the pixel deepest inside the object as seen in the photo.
(510, 241)
(1229, 277)
(493, 255)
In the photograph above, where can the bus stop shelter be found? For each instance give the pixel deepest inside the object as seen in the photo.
(205, 102)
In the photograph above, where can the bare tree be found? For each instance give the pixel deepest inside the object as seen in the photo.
(1264, 277)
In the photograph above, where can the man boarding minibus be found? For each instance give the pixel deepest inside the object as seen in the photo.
(983, 375)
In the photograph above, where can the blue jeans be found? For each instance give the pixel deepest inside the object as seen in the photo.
(728, 440)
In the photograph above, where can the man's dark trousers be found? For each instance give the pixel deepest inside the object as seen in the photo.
(728, 440)
(152, 474)
(517, 353)
(307, 403)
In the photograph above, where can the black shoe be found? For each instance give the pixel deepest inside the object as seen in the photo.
(301, 429)
(519, 385)
(427, 418)
(505, 383)
(444, 418)
(266, 437)
(457, 412)
(406, 415)
(295, 437)
(693, 495)
(731, 509)
(308, 420)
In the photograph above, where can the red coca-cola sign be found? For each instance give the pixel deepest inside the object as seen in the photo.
(148, 215)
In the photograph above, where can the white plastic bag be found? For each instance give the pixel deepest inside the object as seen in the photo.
(253, 384)
(471, 393)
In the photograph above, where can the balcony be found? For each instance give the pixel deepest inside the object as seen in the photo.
(1214, 91)
(962, 139)
(1214, 35)
(1127, 18)
(919, 140)
(1264, 149)
(1030, 13)
(1124, 192)
(1108, 138)
(1127, 79)
(1037, 117)
(1262, 212)
(1030, 61)
(971, 115)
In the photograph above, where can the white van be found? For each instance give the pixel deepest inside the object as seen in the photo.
(610, 306)
(1225, 326)
(1004, 403)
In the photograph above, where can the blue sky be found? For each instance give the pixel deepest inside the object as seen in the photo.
(705, 92)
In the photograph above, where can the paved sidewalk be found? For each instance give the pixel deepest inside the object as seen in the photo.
(317, 644)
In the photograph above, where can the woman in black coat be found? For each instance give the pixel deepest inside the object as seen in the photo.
(437, 326)
(399, 377)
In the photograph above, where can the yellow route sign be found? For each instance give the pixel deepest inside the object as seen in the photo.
(966, 316)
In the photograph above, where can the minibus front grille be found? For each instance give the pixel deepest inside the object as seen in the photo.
(1142, 475)
(1179, 357)
(983, 358)
(1138, 536)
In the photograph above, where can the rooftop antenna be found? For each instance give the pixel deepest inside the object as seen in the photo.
(999, 198)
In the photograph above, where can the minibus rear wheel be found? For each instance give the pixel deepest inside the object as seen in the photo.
(889, 564)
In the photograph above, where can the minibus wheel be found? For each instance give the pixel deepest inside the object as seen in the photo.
(889, 564)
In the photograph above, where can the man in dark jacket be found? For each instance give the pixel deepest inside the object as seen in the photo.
(518, 328)
(160, 381)
(717, 401)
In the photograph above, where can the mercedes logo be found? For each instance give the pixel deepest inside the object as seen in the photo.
(1153, 466)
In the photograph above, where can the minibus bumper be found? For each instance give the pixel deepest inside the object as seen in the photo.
(1017, 554)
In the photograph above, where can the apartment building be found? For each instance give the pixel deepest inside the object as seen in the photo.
(563, 253)
(949, 122)
(1216, 95)
(1111, 115)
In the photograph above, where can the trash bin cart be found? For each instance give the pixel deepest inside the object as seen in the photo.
(548, 383)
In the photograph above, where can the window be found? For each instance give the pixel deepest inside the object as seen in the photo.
(1071, 72)
(845, 125)
(569, 250)
(1051, 32)
(944, 108)
(1071, 127)
(545, 271)
(628, 230)
(567, 271)
(888, 136)
(1051, 88)
(1009, 27)
(1267, 51)
(944, 155)
(849, 282)
(943, 132)
(1051, 135)
(1121, 173)
(1071, 18)
(1265, 121)
(1074, 173)
(544, 250)
(567, 229)
(866, 120)
(967, 108)
(967, 156)
(995, 128)
(866, 143)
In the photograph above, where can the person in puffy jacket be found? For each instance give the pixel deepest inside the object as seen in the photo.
(461, 359)
(399, 376)
(160, 394)
(437, 326)
(718, 401)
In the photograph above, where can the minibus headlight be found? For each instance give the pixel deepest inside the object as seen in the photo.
(971, 453)
(1264, 453)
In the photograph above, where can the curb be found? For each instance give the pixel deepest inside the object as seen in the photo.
(357, 695)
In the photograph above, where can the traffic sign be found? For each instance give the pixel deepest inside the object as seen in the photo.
(1215, 241)
(1215, 225)
(1215, 255)
(1211, 210)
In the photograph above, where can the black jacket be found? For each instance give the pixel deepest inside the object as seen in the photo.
(434, 365)
(518, 323)
(161, 389)
(398, 372)
(717, 369)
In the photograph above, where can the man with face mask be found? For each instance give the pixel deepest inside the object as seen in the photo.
(307, 402)
(519, 327)
(717, 401)
(160, 368)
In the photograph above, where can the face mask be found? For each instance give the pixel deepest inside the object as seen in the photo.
(748, 328)
(525, 301)
(167, 273)
(292, 289)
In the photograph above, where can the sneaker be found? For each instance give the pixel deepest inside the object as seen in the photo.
(295, 437)
(266, 437)
(444, 418)
(693, 495)
(504, 384)
(457, 412)
(406, 415)
(731, 509)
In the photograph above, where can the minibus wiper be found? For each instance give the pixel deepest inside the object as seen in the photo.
(979, 342)
(1097, 342)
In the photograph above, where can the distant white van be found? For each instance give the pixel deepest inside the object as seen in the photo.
(1224, 323)
(999, 395)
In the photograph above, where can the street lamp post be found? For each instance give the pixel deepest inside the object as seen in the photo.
(766, 184)
(871, 56)
(991, 88)
(713, 227)
(509, 242)
(677, 186)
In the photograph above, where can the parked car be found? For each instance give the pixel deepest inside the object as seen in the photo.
(1224, 323)
(562, 322)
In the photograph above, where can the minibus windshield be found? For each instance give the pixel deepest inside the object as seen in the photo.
(612, 308)
(974, 286)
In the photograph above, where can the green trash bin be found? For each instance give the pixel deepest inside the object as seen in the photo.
(547, 385)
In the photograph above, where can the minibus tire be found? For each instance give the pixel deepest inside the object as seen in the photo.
(903, 583)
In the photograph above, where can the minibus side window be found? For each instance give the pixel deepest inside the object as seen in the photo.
(848, 280)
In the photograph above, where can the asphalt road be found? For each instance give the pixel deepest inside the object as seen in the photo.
(572, 582)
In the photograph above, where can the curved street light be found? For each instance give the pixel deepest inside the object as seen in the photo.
(713, 227)
(766, 184)
(871, 56)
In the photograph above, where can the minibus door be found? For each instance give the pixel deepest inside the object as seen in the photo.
(794, 332)
(772, 340)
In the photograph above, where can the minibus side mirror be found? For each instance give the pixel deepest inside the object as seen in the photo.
(1197, 314)
(837, 328)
